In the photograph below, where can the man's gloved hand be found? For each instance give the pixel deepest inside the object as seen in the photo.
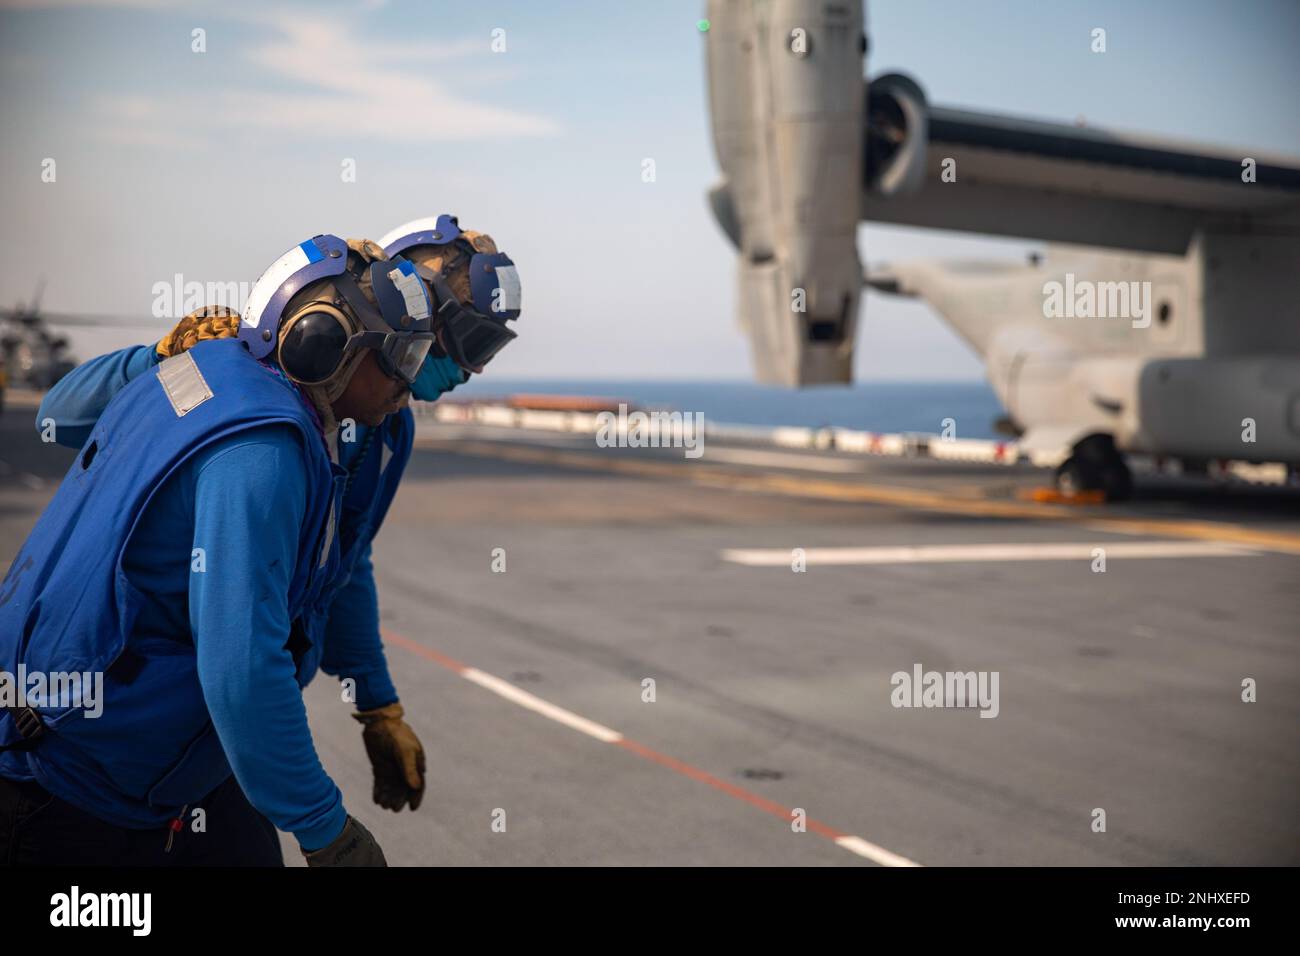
(209, 322)
(396, 756)
(355, 846)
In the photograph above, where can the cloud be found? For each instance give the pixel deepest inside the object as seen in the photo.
(140, 122)
(324, 79)
(397, 91)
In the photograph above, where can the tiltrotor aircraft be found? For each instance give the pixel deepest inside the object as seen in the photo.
(1164, 319)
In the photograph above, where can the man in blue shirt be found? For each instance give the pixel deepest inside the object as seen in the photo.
(224, 586)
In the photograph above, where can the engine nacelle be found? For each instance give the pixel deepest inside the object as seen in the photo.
(898, 128)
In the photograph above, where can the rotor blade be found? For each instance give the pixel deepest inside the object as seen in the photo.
(103, 321)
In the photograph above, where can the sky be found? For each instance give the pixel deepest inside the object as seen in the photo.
(211, 164)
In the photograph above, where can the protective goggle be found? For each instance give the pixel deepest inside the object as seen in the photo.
(400, 354)
(469, 337)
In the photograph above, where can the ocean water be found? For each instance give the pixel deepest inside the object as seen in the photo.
(878, 407)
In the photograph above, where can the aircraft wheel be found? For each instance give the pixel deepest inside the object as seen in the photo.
(1110, 476)
(1116, 480)
(1077, 475)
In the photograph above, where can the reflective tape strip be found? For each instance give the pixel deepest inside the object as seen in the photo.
(311, 251)
(277, 274)
(183, 383)
(329, 538)
(412, 288)
(427, 224)
(508, 281)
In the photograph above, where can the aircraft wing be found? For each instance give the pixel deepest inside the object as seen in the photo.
(1063, 183)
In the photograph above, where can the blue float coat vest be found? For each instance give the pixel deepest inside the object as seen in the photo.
(67, 606)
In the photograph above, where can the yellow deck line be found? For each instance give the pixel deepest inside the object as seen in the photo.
(897, 496)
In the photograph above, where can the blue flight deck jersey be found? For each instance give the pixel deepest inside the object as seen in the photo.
(352, 646)
(174, 559)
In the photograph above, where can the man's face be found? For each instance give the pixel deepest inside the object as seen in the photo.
(371, 395)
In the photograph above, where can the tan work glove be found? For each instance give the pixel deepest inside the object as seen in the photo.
(209, 322)
(354, 846)
(395, 755)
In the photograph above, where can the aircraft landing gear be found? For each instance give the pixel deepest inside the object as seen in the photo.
(1096, 465)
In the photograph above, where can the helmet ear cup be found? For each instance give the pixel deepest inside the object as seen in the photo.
(312, 344)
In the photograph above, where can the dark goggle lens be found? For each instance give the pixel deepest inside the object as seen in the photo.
(409, 355)
(483, 342)
(476, 337)
(400, 354)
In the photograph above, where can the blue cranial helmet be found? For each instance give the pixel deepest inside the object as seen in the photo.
(314, 340)
(474, 330)
(320, 257)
